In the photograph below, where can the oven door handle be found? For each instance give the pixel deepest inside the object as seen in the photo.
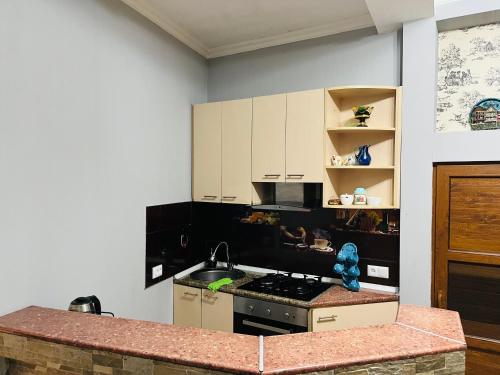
(265, 326)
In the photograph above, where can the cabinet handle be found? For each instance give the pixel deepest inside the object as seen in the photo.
(295, 175)
(190, 294)
(210, 196)
(228, 197)
(271, 175)
(331, 318)
(208, 296)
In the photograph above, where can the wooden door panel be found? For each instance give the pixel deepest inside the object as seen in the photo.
(475, 214)
(481, 363)
(466, 264)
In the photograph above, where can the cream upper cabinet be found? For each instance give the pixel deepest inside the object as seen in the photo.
(207, 152)
(304, 136)
(237, 151)
(217, 311)
(187, 306)
(268, 138)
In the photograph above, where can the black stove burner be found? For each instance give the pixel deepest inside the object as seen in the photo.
(284, 285)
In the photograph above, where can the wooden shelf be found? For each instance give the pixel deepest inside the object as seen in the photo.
(343, 138)
(363, 167)
(352, 129)
(360, 207)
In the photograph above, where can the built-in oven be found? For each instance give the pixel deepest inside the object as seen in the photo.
(257, 317)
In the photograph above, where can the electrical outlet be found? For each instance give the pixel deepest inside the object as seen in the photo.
(377, 271)
(157, 271)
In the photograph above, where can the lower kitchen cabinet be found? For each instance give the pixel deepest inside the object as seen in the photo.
(194, 307)
(344, 317)
(187, 306)
(217, 311)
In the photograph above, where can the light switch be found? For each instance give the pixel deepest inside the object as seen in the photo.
(377, 271)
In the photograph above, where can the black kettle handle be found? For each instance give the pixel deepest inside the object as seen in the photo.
(97, 304)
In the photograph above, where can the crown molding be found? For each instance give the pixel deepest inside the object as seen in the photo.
(348, 24)
(169, 26)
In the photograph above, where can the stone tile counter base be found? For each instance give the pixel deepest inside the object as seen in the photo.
(26, 356)
(441, 364)
(32, 356)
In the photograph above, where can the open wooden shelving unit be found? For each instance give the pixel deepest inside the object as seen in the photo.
(342, 138)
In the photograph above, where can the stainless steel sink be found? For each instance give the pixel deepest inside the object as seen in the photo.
(212, 274)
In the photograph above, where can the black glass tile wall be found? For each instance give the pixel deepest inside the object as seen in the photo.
(267, 245)
(168, 240)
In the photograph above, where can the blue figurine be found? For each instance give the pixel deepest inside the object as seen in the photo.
(347, 266)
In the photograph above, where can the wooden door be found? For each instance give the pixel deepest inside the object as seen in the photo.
(237, 151)
(268, 138)
(467, 257)
(207, 152)
(305, 124)
(187, 306)
(217, 311)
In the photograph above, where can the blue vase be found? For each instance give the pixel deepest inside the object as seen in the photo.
(363, 157)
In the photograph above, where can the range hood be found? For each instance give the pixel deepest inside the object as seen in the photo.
(302, 197)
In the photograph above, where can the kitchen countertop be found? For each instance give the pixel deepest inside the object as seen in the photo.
(418, 331)
(336, 295)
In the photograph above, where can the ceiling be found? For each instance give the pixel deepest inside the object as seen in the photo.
(216, 28)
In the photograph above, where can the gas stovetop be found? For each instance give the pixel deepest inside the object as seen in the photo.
(284, 285)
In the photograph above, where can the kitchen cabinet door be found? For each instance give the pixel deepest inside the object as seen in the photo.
(305, 118)
(187, 306)
(217, 311)
(268, 138)
(237, 151)
(207, 152)
(344, 317)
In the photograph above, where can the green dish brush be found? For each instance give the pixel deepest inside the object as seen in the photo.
(216, 285)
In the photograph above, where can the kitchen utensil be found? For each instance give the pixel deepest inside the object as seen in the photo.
(89, 305)
(346, 199)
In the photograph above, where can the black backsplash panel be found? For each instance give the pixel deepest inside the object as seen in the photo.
(263, 245)
(165, 226)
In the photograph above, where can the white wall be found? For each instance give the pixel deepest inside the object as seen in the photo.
(419, 82)
(422, 145)
(95, 114)
(353, 58)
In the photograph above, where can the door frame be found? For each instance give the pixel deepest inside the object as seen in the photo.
(440, 261)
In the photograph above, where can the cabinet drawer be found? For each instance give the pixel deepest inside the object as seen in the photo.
(187, 306)
(217, 311)
(344, 317)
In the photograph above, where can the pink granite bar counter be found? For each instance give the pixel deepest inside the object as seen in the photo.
(418, 332)
(194, 347)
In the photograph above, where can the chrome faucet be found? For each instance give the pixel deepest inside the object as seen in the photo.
(212, 259)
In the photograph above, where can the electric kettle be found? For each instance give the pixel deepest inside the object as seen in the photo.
(90, 305)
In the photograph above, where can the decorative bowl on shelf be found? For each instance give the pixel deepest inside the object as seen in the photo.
(362, 113)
